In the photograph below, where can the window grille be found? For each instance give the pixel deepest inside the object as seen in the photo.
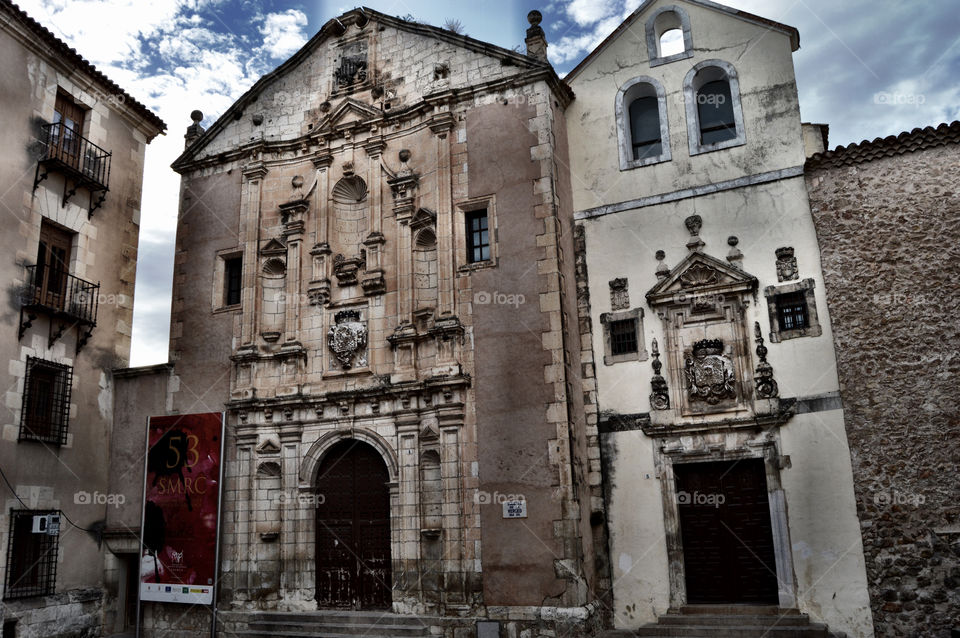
(623, 336)
(31, 557)
(792, 311)
(46, 402)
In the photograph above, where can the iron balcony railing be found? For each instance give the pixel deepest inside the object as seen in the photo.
(77, 155)
(59, 291)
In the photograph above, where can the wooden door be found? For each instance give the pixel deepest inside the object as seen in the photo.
(66, 131)
(353, 528)
(725, 529)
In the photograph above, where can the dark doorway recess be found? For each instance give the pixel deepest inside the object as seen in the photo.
(725, 529)
(353, 528)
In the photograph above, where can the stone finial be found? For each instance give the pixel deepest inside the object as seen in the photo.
(735, 257)
(659, 395)
(766, 386)
(297, 182)
(694, 223)
(662, 268)
(194, 131)
(536, 38)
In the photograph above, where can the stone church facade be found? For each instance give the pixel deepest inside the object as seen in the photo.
(727, 470)
(375, 277)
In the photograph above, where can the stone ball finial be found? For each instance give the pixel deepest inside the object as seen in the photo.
(297, 182)
(660, 255)
(732, 240)
(196, 116)
(534, 18)
(404, 155)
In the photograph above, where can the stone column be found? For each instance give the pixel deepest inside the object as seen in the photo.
(294, 213)
(246, 440)
(442, 124)
(253, 175)
(290, 580)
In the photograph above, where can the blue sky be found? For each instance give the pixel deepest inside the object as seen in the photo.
(868, 68)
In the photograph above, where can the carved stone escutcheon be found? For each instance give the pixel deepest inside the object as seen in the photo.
(786, 264)
(347, 338)
(709, 372)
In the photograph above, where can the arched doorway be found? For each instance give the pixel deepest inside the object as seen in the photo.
(353, 528)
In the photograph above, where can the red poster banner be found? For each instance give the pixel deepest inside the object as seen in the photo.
(178, 556)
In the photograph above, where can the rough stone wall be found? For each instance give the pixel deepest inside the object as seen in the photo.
(72, 614)
(890, 241)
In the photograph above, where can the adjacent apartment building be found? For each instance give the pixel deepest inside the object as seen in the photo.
(70, 184)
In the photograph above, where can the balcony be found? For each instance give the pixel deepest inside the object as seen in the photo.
(82, 163)
(69, 300)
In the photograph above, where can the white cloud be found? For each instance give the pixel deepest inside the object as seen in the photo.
(587, 12)
(283, 33)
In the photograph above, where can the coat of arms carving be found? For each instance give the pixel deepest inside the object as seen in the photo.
(347, 338)
(709, 373)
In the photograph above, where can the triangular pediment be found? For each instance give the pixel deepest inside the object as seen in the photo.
(700, 273)
(350, 112)
(273, 247)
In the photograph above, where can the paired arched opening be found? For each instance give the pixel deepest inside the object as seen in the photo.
(714, 117)
(642, 130)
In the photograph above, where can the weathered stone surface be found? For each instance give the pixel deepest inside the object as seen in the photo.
(890, 243)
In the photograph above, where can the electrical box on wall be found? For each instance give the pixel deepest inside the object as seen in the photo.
(47, 524)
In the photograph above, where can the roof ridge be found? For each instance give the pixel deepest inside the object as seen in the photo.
(906, 142)
(82, 63)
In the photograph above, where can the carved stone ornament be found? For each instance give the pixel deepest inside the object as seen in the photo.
(786, 264)
(346, 269)
(766, 386)
(348, 338)
(709, 373)
(699, 275)
(659, 395)
(619, 295)
(352, 66)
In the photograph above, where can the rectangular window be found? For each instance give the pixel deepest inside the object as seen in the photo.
(792, 311)
(232, 280)
(31, 557)
(46, 402)
(623, 337)
(478, 236)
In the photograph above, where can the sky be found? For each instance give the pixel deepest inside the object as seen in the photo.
(868, 68)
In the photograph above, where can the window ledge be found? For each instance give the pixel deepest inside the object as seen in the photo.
(477, 265)
(225, 309)
(700, 149)
(609, 360)
(671, 58)
(647, 161)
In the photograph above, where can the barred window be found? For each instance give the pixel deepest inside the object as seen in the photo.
(31, 556)
(792, 311)
(46, 402)
(623, 336)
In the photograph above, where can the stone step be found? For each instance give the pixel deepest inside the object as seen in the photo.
(304, 632)
(738, 610)
(344, 617)
(765, 620)
(732, 631)
(354, 629)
